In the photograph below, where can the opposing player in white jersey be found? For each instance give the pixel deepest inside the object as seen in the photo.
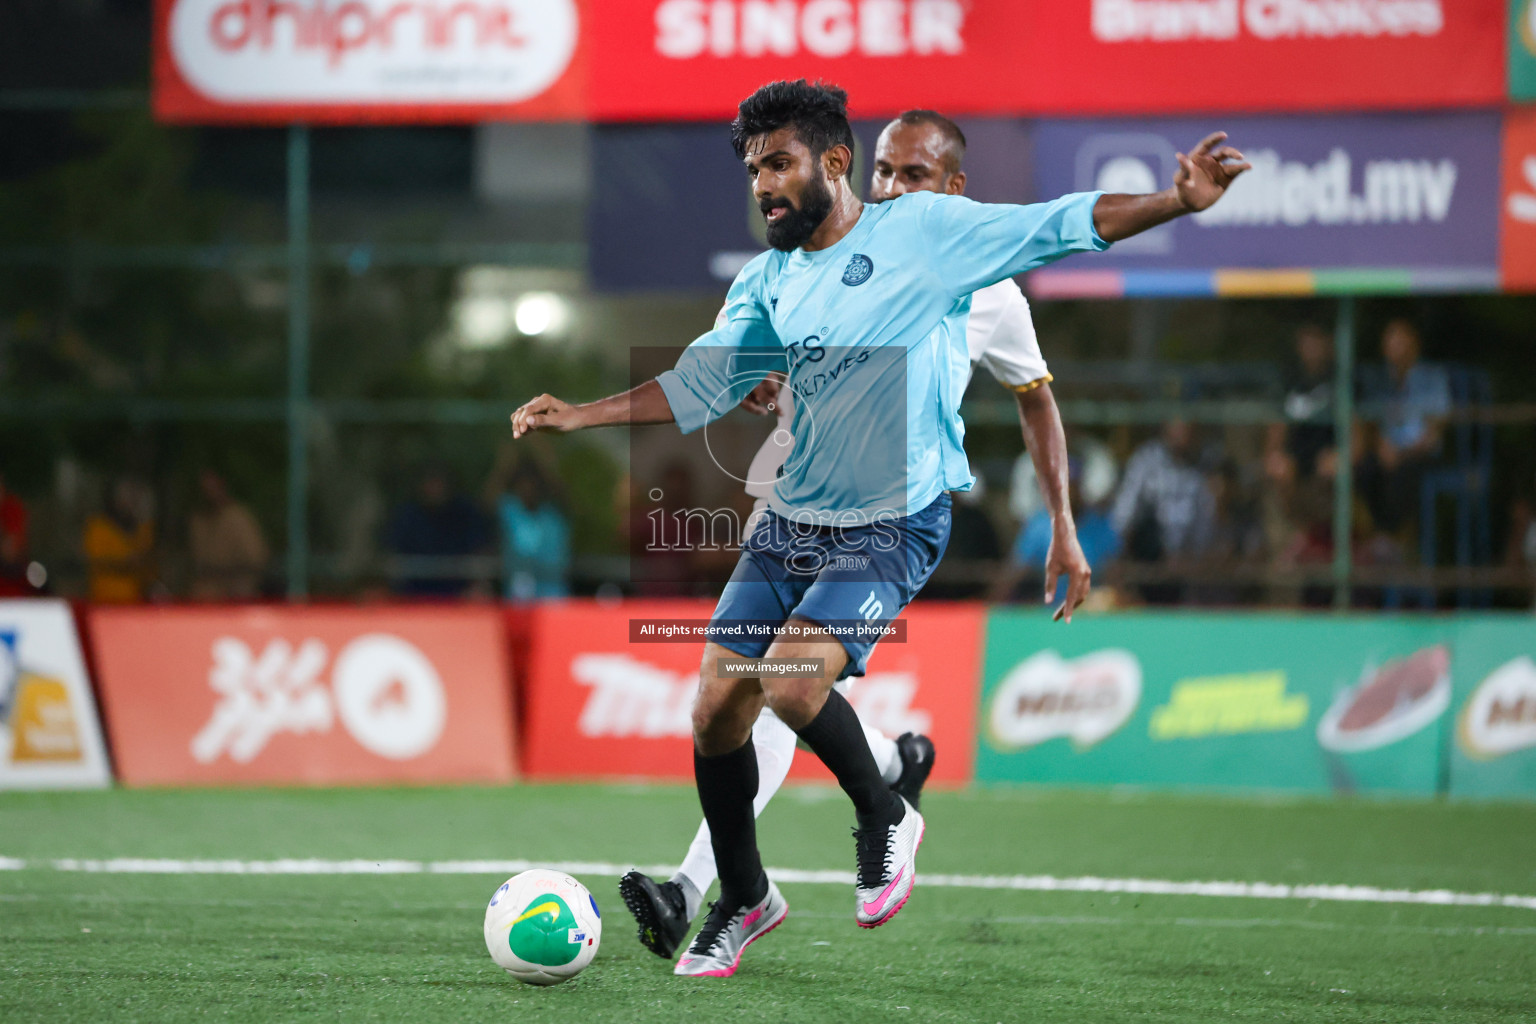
(920, 151)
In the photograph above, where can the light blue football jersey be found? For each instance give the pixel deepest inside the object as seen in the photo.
(872, 334)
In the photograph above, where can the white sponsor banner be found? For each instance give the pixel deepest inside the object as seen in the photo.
(372, 51)
(1500, 716)
(50, 735)
(1046, 696)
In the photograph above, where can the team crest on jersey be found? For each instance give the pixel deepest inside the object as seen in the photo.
(859, 270)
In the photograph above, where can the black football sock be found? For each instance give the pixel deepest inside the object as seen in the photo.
(727, 786)
(836, 737)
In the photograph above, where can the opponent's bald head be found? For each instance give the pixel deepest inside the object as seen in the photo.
(920, 151)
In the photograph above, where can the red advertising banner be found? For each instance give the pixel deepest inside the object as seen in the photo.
(350, 61)
(1518, 201)
(1072, 57)
(624, 60)
(263, 695)
(598, 705)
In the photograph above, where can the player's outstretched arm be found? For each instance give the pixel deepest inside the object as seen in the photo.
(1047, 444)
(644, 404)
(1204, 176)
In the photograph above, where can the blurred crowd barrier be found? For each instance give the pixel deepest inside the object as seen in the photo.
(576, 690)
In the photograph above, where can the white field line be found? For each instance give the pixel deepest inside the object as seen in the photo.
(1018, 883)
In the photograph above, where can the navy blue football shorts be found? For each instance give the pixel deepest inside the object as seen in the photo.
(854, 581)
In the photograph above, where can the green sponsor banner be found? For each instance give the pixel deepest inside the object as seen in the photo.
(1227, 701)
(1493, 750)
(1522, 49)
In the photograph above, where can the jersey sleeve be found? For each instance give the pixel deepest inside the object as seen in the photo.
(715, 372)
(973, 245)
(1005, 340)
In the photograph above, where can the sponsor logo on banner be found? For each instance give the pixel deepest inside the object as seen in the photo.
(1229, 705)
(388, 695)
(1518, 247)
(1500, 716)
(1164, 21)
(37, 718)
(372, 51)
(49, 734)
(1389, 704)
(599, 705)
(686, 29)
(331, 695)
(634, 698)
(1086, 699)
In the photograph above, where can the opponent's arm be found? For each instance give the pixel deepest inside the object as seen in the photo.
(1203, 177)
(644, 404)
(1047, 444)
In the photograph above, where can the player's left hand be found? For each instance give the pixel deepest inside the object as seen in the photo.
(544, 413)
(1066, 558)
(763, 399)
(1205, 174)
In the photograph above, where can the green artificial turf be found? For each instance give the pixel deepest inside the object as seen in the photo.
(120, 947)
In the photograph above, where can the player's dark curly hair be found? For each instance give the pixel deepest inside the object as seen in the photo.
(817, 111)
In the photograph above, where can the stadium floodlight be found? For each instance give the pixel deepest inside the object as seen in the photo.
(540, 313)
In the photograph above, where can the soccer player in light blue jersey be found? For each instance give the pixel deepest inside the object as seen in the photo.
(864, 308)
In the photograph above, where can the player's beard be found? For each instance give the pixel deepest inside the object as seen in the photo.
(796, 227)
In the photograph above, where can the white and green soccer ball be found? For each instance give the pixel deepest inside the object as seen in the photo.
(543, 927)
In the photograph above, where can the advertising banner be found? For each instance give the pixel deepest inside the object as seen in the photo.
(1070, 57)
(323, 61)
(657, 60)
(1518, 206)
(689, 222)
(1494, 751)
(1389, 202)
(1214, 702)
(601, 706)
(1522, 49)
(50, 735)
(323, 696)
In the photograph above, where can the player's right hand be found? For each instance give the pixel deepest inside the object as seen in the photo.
(544, 413)
(762, 400)
(1066, 558)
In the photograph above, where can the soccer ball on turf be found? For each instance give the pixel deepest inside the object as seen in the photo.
(543, 927)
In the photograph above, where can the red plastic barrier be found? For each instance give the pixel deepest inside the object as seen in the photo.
(601, 706)
(305, 695)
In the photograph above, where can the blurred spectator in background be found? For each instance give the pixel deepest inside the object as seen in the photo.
(118, 543)
(438, 524)
(1413, 400)
(974, 548)
(1164, 512)
(13, 544)
(229, 553)
(535, 534)
(1091, 480)
(665, 533)
(1236, 537)
(1300, 453)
